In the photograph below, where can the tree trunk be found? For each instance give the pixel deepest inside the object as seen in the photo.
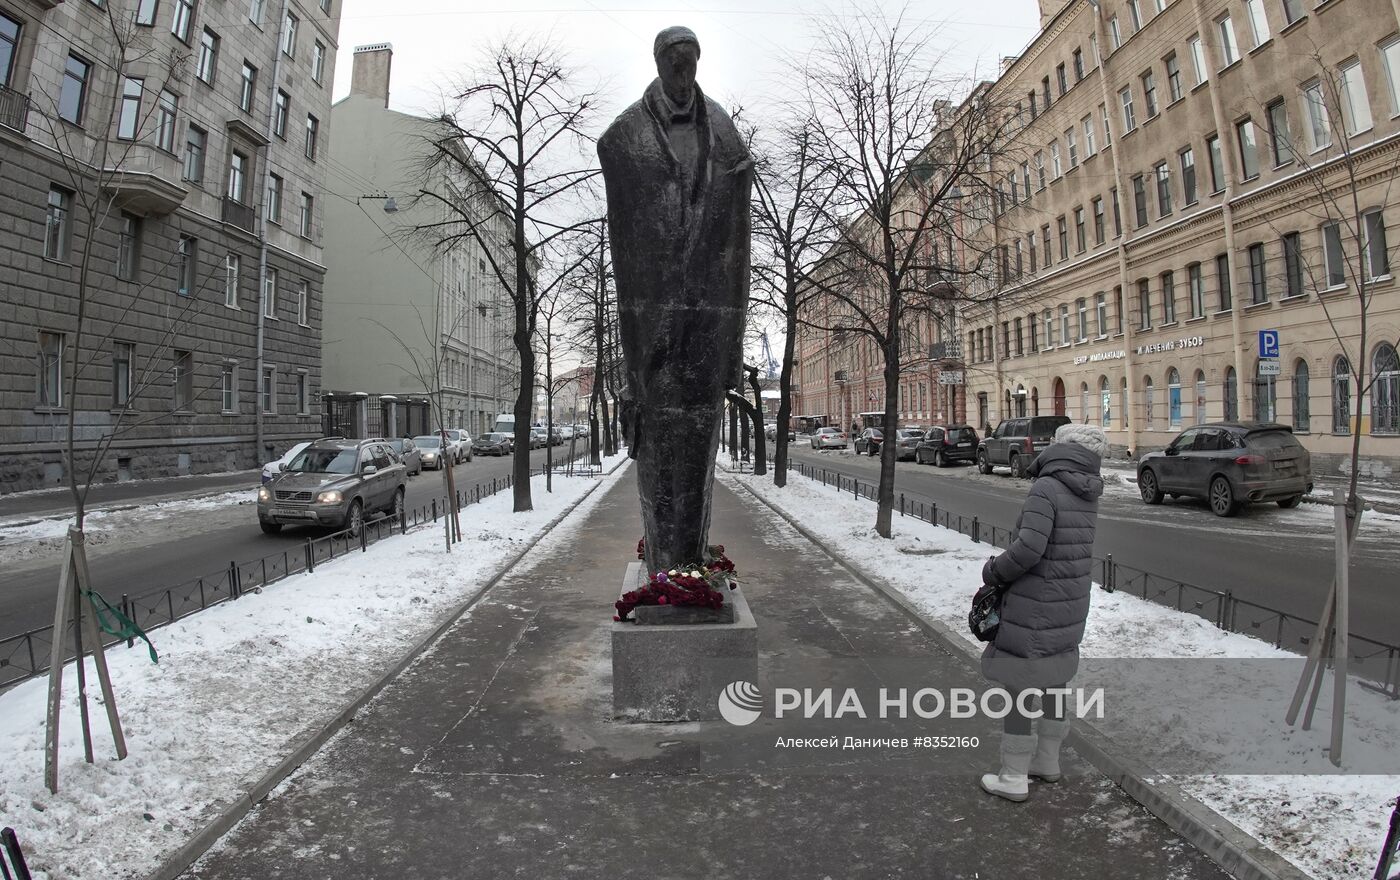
(889, 446)
(760, 457)
(780, 440)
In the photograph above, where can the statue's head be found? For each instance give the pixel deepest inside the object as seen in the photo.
(677, 52)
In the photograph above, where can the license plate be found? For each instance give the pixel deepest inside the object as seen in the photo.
(964, 445)
(290, 512)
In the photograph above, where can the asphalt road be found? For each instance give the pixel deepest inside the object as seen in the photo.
(27, 592)
(1281, 559)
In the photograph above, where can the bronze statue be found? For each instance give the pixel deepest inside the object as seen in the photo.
(678, 181)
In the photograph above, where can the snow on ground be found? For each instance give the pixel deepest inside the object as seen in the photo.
(1329, 823)
(237, 685)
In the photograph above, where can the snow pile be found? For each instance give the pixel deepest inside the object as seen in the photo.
(1330, 824)
(237, 685)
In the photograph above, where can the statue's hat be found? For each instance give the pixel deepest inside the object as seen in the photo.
(672, 35)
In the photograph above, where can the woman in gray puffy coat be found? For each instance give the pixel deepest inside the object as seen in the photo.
(1046, 577)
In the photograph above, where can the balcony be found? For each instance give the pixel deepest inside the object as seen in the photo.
(146, 181)
(14, 109)
(235, 213)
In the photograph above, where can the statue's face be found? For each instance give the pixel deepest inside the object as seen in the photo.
(676, 66)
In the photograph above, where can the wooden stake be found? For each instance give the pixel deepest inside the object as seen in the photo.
(1339, 642)
(99, 653)
(1315, 658)
(56, 652)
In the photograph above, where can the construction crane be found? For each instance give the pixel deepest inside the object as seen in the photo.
(770, 365)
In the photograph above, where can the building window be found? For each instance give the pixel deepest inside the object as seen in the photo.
(1030, 327)
(1098, 220)
(1139, 201)
(1144, 305)
(1200, 415)
(1149, 394)
(1188, 176)
(1198, 60)
(1222, 278)
(1174, 89)
(1047, 319)
(1265, 398)
(238, 177)
(1020, 336)
(308, 208)
(1163, 175)
(318, 62)
(248, 88)
(1080, 241)
(72, 96)
(1292, 10)
(302, 397)
(1385, 392)
(1090, 148)
(1056, 169)
(1302, 416)
(1078, 65)
(1258, 21)
(1040, 170)
(129, 114)
(1115, 34)
(1030, 241)
(269, 390)
(255, 11)
(1117, 217)
(269, 297)
(1229, 49)
(1126, 98)
(184, 17)
(289, 35)
(49, 379)
(1045, 239)
(57, 229)
(146, 12)
(1281, 141)
(1101, 314)
(1072, 144)
(274, 199)
(1173, 398)
(1232, 395)
(1356, 105)
(1062, 229)
(1066, 330)
(1258, 281)
(1149, 93)
(1118, 311)
(166, 107)
(208, 56)
(1390, 60)
(1374, 247)
(228, 386)
(1217, 164)
(184, 380)
(128, 246)
(1045, 89)
(1168, 298)
(1293, 264)
(1105, 403)
(121, 374)
(303, 297)
(1026, 179)
(312, 129)
(1333, 255)
(1061, 79)
(1107, 132)
(281, 107)
(1341, 396)
(233, 263)
(1081, 308)
(1135, 15)
(1197, 284)
(1319, 127)
(196, 140)
(1249, 155)
(187, 255)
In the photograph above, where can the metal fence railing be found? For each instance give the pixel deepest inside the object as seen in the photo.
(1226, 611)
(26, 655)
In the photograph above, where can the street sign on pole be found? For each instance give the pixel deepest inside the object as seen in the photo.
(1268, 344)
(950, 377)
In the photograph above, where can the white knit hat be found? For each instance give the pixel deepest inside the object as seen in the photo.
(1091, 437)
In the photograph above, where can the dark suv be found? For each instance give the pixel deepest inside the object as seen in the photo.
(1229, 464)
(334, 482)
(947, 443)
(1016, 442)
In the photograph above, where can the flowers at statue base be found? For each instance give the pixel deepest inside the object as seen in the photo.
(700, 584)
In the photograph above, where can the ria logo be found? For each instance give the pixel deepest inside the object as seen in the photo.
(740, 703)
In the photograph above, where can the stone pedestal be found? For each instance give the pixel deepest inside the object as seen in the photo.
(676, 671)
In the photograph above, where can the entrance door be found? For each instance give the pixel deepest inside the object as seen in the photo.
(1059, 397)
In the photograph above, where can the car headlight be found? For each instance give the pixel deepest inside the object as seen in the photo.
(264, 494)
(331, 497)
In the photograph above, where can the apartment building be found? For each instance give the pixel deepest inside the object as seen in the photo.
(404, 318)
(1180, 195)
(169, 157)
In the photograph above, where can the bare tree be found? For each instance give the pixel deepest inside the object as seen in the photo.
(903, 164)
(513, 149)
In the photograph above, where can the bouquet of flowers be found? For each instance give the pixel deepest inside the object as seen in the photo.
(702, 584)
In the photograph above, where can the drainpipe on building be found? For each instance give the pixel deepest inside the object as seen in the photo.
(1227, 158)
(259, 428)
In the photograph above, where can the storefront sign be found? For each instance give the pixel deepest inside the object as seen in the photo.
(1172, 345)
(1100, 356)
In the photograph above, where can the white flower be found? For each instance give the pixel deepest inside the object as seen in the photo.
(672, 572)
(695, 574)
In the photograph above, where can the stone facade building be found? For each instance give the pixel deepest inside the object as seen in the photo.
(404, 319)
(188, 168)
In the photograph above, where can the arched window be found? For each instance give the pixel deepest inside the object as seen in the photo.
(1020, 401)
(1265, 397)
(1035, 401)
(1174, 398)
(1385, 391)
(1123, 405)
(1084, 402)
(1302, 415)
(1105, 403)
(1148, 393)
(1200, 414)
(1341, 396)
(1232, 395)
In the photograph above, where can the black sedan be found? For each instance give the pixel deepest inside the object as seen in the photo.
(868, 443)
(491, 444)
(944, 444)
(1229, 465)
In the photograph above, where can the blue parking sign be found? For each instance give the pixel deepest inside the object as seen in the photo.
(1268, 343)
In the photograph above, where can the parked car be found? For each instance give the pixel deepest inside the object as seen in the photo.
(336, 483)
(942, 444)
(1016, 442)
(566, 431)
(538, 438)
(495, 443)
(907, 443)
(1229, 464)
(829, 438)
(461, 444)
(407, 451)
(868, 443)
(556, 437)
(431, 452)
(273, 469)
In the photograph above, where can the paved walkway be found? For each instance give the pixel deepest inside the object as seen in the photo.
(494, 756)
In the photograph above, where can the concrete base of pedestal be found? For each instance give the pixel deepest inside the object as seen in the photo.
(676, 672)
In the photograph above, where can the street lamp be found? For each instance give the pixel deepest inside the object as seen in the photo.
(390, 206)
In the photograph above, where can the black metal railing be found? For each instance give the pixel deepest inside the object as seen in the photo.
(238, 214)
(1222, 608)
(26, 655)
(14, 109)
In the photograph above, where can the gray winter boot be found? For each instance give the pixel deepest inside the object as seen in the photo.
(1012, 781)
(1049, 734)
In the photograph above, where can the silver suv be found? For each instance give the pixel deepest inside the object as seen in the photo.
(337, 483)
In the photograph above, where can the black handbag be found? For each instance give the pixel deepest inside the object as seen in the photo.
(985, 618)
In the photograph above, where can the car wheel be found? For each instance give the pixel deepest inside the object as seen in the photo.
(396, 507)
(1147, 485)
(983, 466)
(270, 528)
(939, 460)
(355, 519)
(469, 458)
(1290, 502)
(1222, 498)
(1017, 469)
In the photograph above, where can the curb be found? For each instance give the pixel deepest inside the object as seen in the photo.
(311, 741)
(1239, 853)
